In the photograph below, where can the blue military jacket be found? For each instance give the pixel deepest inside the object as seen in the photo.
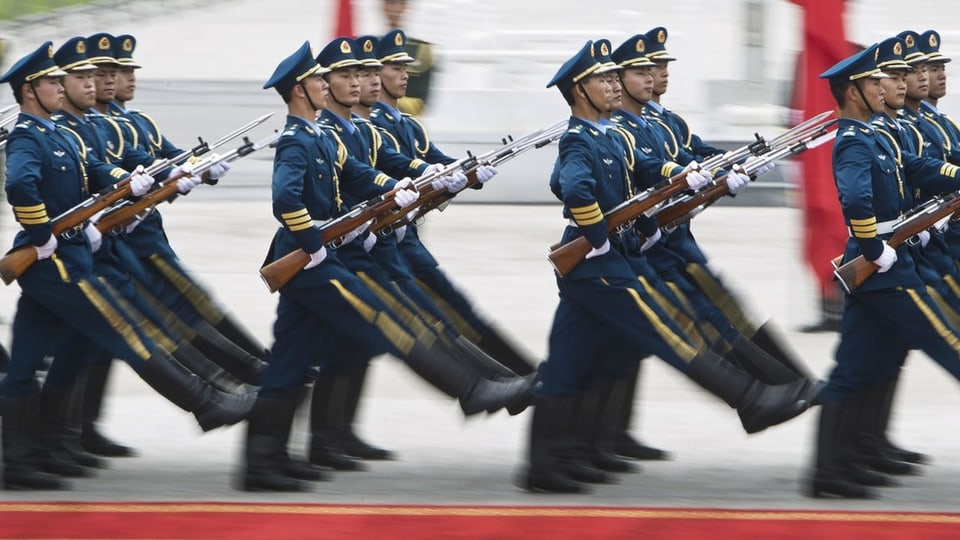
(311, 171)
(880, 194)
(686, 140)
(46, 176)
(412, 138)
(145, 133)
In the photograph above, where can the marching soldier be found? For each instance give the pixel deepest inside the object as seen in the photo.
(417, 95)
(414, 141)
(602, 299)
(890, 313)
(325, 303)
(47, 175)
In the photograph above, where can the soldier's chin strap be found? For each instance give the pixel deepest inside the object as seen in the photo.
(337, 101)
(631, 96)
(307, 93)
(33, 84)
(389, 93)
(863, 97)
(590, 101)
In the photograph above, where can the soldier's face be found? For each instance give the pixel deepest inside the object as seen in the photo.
(80, 89)
(345, 85)
(894, 89)
(661, 78)
(48, 91)
(937, 78)
(873, 92)
(126, 84)
(393, 11)
(316, 88)
(369, 86)
(638, 82)
(394, 78)
(105, 78)
(616, 97)
(597, 89)
(917, 84)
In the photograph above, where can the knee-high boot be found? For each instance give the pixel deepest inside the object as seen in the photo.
(759, 405)
(19, 459)
(59, 449)
(758, 363)
(211, 407)
(199, 364)
(238, 334)
(833, 471)
(611, 394)
(550, 450)
(227, 354)
(295, 466)
(883, 420)
(91, 438)
(626, 444)
(327, 423)
(871, 439)
(767, 338)
(72, 429)
(494, 343)
(352, 444)
(265, 451)
(456, 378)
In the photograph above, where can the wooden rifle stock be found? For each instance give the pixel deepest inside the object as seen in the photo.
(116, 220)
(279, 272)
(566, 257)
(853, 273)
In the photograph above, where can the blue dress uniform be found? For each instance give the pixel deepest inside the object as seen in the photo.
(601, 298)
(891, 307)
(47, 175)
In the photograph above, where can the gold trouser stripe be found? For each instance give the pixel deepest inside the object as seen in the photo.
(114, 319)
(143, 323)
(407, 317)
(679, 316)
(191, 292)
(461, 324)
(387, 326)
(951, 314)
(681, 347)
(707, 330)
(942, 330)
(176, 328)
(438, 326)
(722, 299)
(61, 268)
(952, 283)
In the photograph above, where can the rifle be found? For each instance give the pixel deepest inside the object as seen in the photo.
(4, 132)
(276, 274)
(430, 198)
(853, 273)
(686, 208)
(116, 219)
(16, 262)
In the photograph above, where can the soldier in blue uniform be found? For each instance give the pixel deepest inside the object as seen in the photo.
(890, 313)
(325, 303)
(47, 174)
(602, 298)
(414, 141)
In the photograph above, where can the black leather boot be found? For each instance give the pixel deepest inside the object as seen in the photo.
(19, 463)
(227, 354)
(577, 449)
(626, 445)
(352, 444)
(769, 339)
(265, 452)
(295, 466)
(72, 429)
(611, 394)
(883, 420)
(50, 455)
(91, 438)
(489, 368)
(757, 363)
(833, 469)
(327, 423)
(197, 363)
(235, 332)
(549, 450)
(871, 440)
(496, 345)
(456, 378)
(759, 405)
(211, 407)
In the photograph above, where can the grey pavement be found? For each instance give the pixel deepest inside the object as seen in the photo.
(497, 254)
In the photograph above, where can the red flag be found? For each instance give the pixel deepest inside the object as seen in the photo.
(824, 44)
(344, 19)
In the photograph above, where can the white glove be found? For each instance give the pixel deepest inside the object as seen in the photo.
(596, 252)
(432, 168)
(316, 258)
(924, 237)
(737, 179)
(696, 179)
(886, 259)
(405, 197)
(46, 250)
(93, 236)
(400, 232)
(140, 181)
(650, 241)
(485, 173)
(217, 170)
(369, 242)
(456, 181)
(352, 235)
(764, 169)
(186, 183)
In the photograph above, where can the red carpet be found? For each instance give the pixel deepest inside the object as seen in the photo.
(239, 521)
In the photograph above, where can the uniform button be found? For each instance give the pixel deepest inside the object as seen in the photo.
(63, 167)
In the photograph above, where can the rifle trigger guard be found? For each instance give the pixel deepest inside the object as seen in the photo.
(386, 231)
